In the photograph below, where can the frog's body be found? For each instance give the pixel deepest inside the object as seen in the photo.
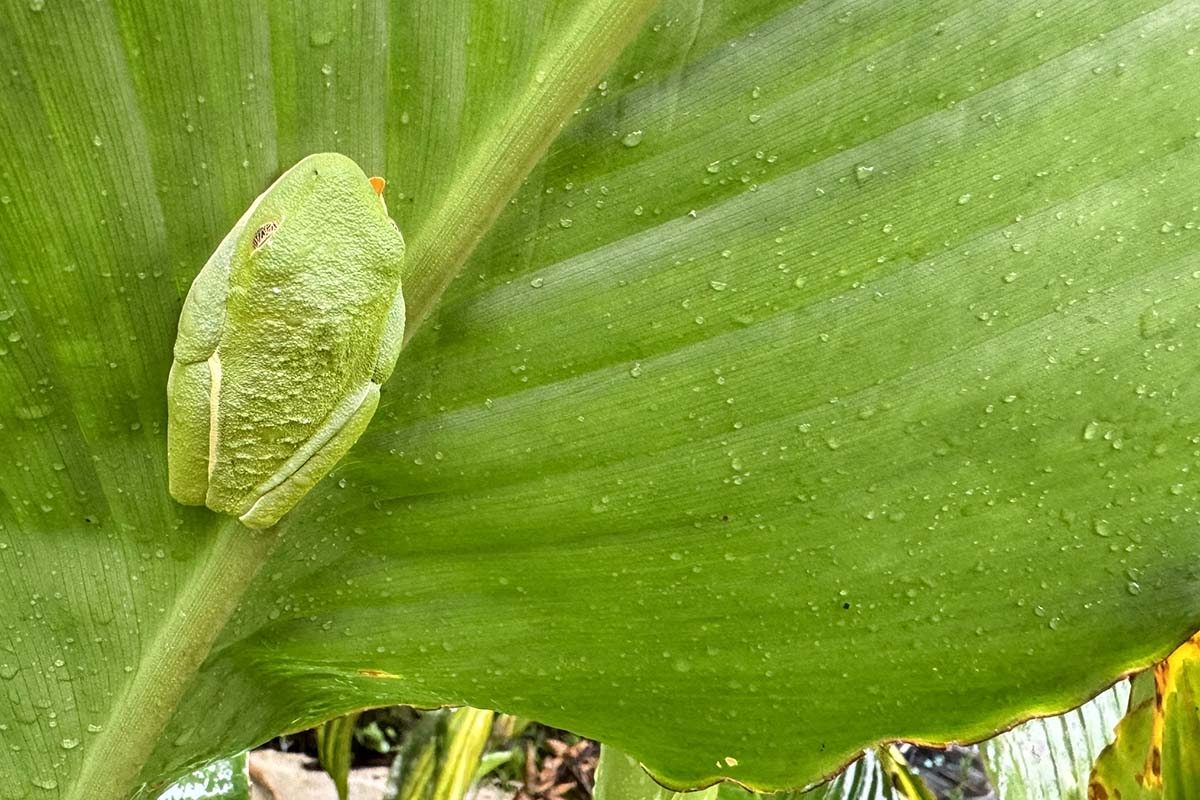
(284, 340)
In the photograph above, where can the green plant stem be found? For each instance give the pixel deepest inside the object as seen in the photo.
(202, 608)
(573, 64)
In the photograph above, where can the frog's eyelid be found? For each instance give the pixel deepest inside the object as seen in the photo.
(261, 235)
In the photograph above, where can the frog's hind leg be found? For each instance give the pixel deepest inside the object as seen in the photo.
(312, 461)
(189, 422)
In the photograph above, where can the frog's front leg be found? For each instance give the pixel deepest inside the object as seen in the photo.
(190, 387)
(189, 393)
(279, 494)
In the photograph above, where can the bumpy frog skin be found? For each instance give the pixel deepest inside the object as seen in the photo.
(284, 340)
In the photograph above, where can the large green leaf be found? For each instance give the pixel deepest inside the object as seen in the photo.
(828, 381)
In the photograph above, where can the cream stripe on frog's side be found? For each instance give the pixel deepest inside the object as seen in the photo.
(214, 397)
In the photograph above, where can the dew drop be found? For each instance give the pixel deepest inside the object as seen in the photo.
(320, 38)
(33, 411)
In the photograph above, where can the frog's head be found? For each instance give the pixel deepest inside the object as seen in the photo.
(324, 196)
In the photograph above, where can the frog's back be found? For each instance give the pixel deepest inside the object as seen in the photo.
(317, 268)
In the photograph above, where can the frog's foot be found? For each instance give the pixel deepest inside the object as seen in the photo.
(312, 461)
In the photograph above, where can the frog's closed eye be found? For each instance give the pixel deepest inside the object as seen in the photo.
(265, 232)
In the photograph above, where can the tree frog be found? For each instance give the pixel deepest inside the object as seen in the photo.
(284, 339)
